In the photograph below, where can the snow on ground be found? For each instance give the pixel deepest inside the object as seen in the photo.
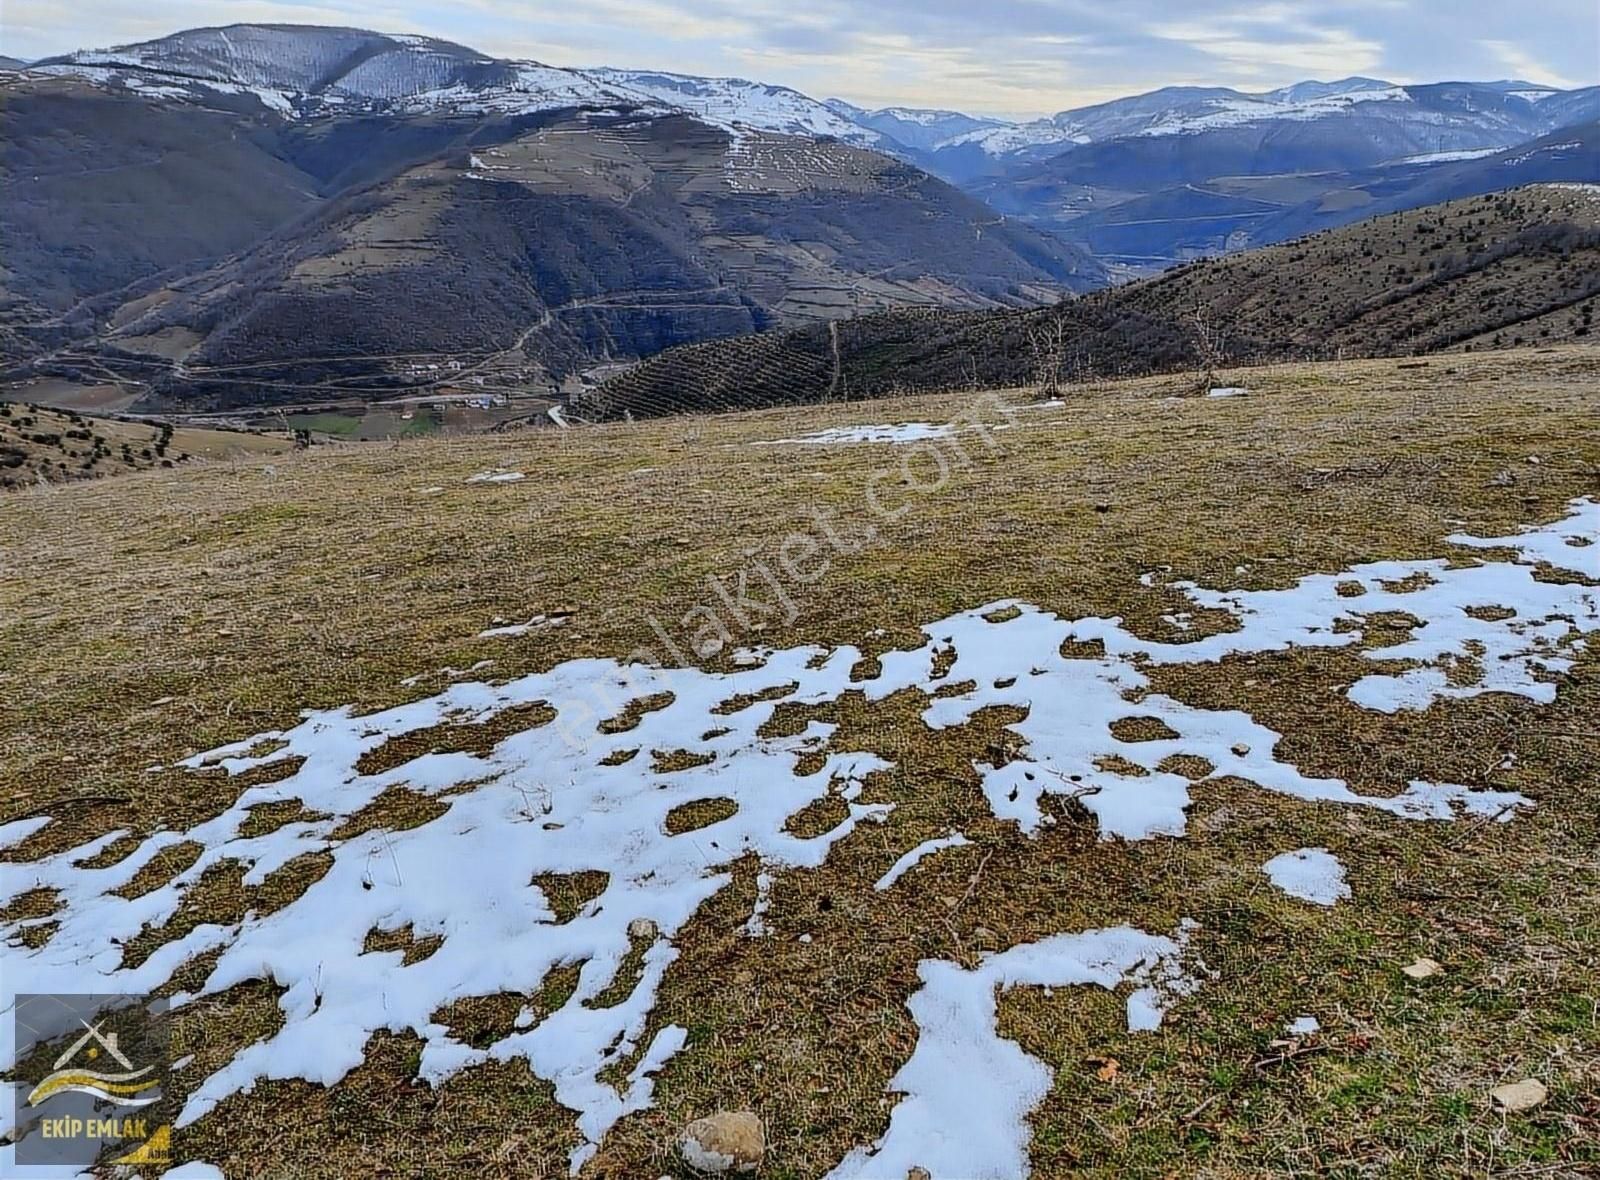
(904, 432)
(1311, 874)
(1240, 109)
(513, 630)
(1303, 1026)
(497, 476)
(1227, 391)
(559, 798)
(949, 1126)
(910, 860)
(1451, 157)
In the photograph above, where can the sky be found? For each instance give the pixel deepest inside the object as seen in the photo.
(1017, 58)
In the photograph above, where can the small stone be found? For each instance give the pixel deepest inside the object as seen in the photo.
(728, 1141)
(1516, 1097)
(1241, 750)
(642, 930)
(919, 1174)
(1423, 969)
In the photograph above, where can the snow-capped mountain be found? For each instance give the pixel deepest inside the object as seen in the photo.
(923, 130)
(307, 72)
(740, 103)
(1459, 116)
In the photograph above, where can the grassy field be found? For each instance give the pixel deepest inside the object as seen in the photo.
(148, 618)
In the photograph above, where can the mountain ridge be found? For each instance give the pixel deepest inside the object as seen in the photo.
(1497, 270)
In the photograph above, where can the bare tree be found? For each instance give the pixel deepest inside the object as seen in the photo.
(1210, 347)
(1048, 342)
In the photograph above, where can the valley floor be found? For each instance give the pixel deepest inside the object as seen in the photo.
(1077, 750)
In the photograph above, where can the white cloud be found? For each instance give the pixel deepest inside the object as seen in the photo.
(1260, 44)
(1521, 64)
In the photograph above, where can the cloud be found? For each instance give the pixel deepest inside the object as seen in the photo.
(1253, 44)
(1522, 65)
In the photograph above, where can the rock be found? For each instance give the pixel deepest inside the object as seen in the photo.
(1241, 750)
(1516, 1097)
(919, 1174)
(1423, 969)
(642, 930)
(726, 1142)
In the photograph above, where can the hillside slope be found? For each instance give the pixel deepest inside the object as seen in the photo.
(582, 241)
(1495, 270)
(278, 214)
(289, 730)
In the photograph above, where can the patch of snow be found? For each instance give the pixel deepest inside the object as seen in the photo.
(511, 631)
(905, 432)
(909, 861)
(1242, 109)
(1451, 157)
(756, 926)
(1227, 391)
(737, 103)
(1011, 138)
(1311, 874)
(1524, 157)
(19, 830)
(497, 476)
(465, 875)
(967, 1090)
(1303, 1026)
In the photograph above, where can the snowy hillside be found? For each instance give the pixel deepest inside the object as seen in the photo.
(302, 71)
(738, 102)
(923, 130)
(1469, 115)
(308, 71)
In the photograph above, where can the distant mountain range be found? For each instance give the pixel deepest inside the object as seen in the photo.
(1397, 121)
(262, 194)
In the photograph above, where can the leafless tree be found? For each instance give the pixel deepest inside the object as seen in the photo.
(1048, 342)
(1210, 347)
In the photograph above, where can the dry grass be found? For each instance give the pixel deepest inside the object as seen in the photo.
(168, 612)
